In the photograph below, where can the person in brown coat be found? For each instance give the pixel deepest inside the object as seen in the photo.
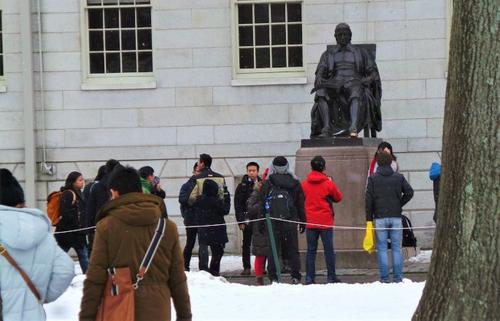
(125, 227)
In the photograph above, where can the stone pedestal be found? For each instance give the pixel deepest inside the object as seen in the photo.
(347, 161)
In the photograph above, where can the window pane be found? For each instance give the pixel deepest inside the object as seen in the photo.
(278, 12)
(96, 42)
(94, 2)
(110, 2)
(294, 12)
(261, 13)
(95, 19)
(262, 57)
(129, 2)
(246, 36)
(261, 35)
(129, 63)
(295, 34)
(96, 63)
(112, 40)
(295, 57)
(246, 58)
(1, 42)
(244, 13)
(279, 57)
(111, 18)
(278, 34)
(112, 62)
(145, 61)
(142, 1)
(128, 17)
(128, 40)
(1, 65)
(144, 17)
(144, 39)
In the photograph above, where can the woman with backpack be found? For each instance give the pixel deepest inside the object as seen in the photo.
(72, 211)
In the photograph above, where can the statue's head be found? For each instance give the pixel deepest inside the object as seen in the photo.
(343, 34)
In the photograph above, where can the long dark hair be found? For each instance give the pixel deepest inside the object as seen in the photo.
(382, 146)
(101, 172)
(70, 181)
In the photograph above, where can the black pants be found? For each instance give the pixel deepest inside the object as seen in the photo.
(188, 250)
(287, 241)
(217, 253)
(245, 248)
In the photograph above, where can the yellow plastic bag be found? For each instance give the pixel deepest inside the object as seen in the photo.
(369, 241)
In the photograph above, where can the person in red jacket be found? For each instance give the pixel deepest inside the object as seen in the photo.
(320, 192)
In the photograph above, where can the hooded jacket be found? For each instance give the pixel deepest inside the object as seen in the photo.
(319, 192)
(292, 185)
(386, 194)
(26, 234)
(210, 210)
(124, 231)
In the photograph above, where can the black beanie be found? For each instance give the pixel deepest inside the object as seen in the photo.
(280, 161)
(11, 193)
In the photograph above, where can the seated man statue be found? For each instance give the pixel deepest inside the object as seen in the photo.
(348, 90)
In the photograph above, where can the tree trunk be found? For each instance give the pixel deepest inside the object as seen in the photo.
(464, 277)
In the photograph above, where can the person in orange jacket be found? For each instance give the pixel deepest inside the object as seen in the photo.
(320, 192)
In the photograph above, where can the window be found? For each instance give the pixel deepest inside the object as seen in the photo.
(118, 40)
(268, 37)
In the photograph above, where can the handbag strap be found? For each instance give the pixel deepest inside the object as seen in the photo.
(26, 278)
(150, 253)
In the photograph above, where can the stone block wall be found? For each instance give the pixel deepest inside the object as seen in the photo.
(194, 108)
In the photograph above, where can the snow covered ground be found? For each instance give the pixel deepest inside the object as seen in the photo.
(422, 257)
(216, 299)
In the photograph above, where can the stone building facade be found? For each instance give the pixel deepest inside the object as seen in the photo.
(206, 88)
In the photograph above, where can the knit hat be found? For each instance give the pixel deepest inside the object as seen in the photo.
(11, 193)
(280, 165)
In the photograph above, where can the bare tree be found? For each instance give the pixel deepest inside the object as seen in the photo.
(464, 277)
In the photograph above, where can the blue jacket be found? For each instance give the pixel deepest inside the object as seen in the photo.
(26, 234)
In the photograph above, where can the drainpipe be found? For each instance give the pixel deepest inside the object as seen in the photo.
(28, 103)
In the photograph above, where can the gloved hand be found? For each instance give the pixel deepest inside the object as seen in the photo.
(302, 228)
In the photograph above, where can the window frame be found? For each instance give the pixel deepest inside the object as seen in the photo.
(3, 83)
(130, 80)
(265, 76)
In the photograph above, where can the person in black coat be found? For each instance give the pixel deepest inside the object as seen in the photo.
(194, 188)
(241, 196)
(72, 210)
(386, 194)
(210, 210)
(86, 190)
(285, 233)
(190, 219)
(99, 194)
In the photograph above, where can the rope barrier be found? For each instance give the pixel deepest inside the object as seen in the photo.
(335, 227)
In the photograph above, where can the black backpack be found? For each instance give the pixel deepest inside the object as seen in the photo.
(279, 203)
(409, 239)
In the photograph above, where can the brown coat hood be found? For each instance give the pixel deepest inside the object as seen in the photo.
(124, 231)
(134, 209)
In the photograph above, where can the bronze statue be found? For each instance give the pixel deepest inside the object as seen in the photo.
(348, 90)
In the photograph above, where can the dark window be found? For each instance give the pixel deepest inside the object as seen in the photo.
(120, 36)
(270, 35)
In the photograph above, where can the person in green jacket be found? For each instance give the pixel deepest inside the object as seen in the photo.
(151, 183)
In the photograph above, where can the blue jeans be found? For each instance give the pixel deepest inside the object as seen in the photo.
(395, 236)
(82, 253)
(312, 236)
